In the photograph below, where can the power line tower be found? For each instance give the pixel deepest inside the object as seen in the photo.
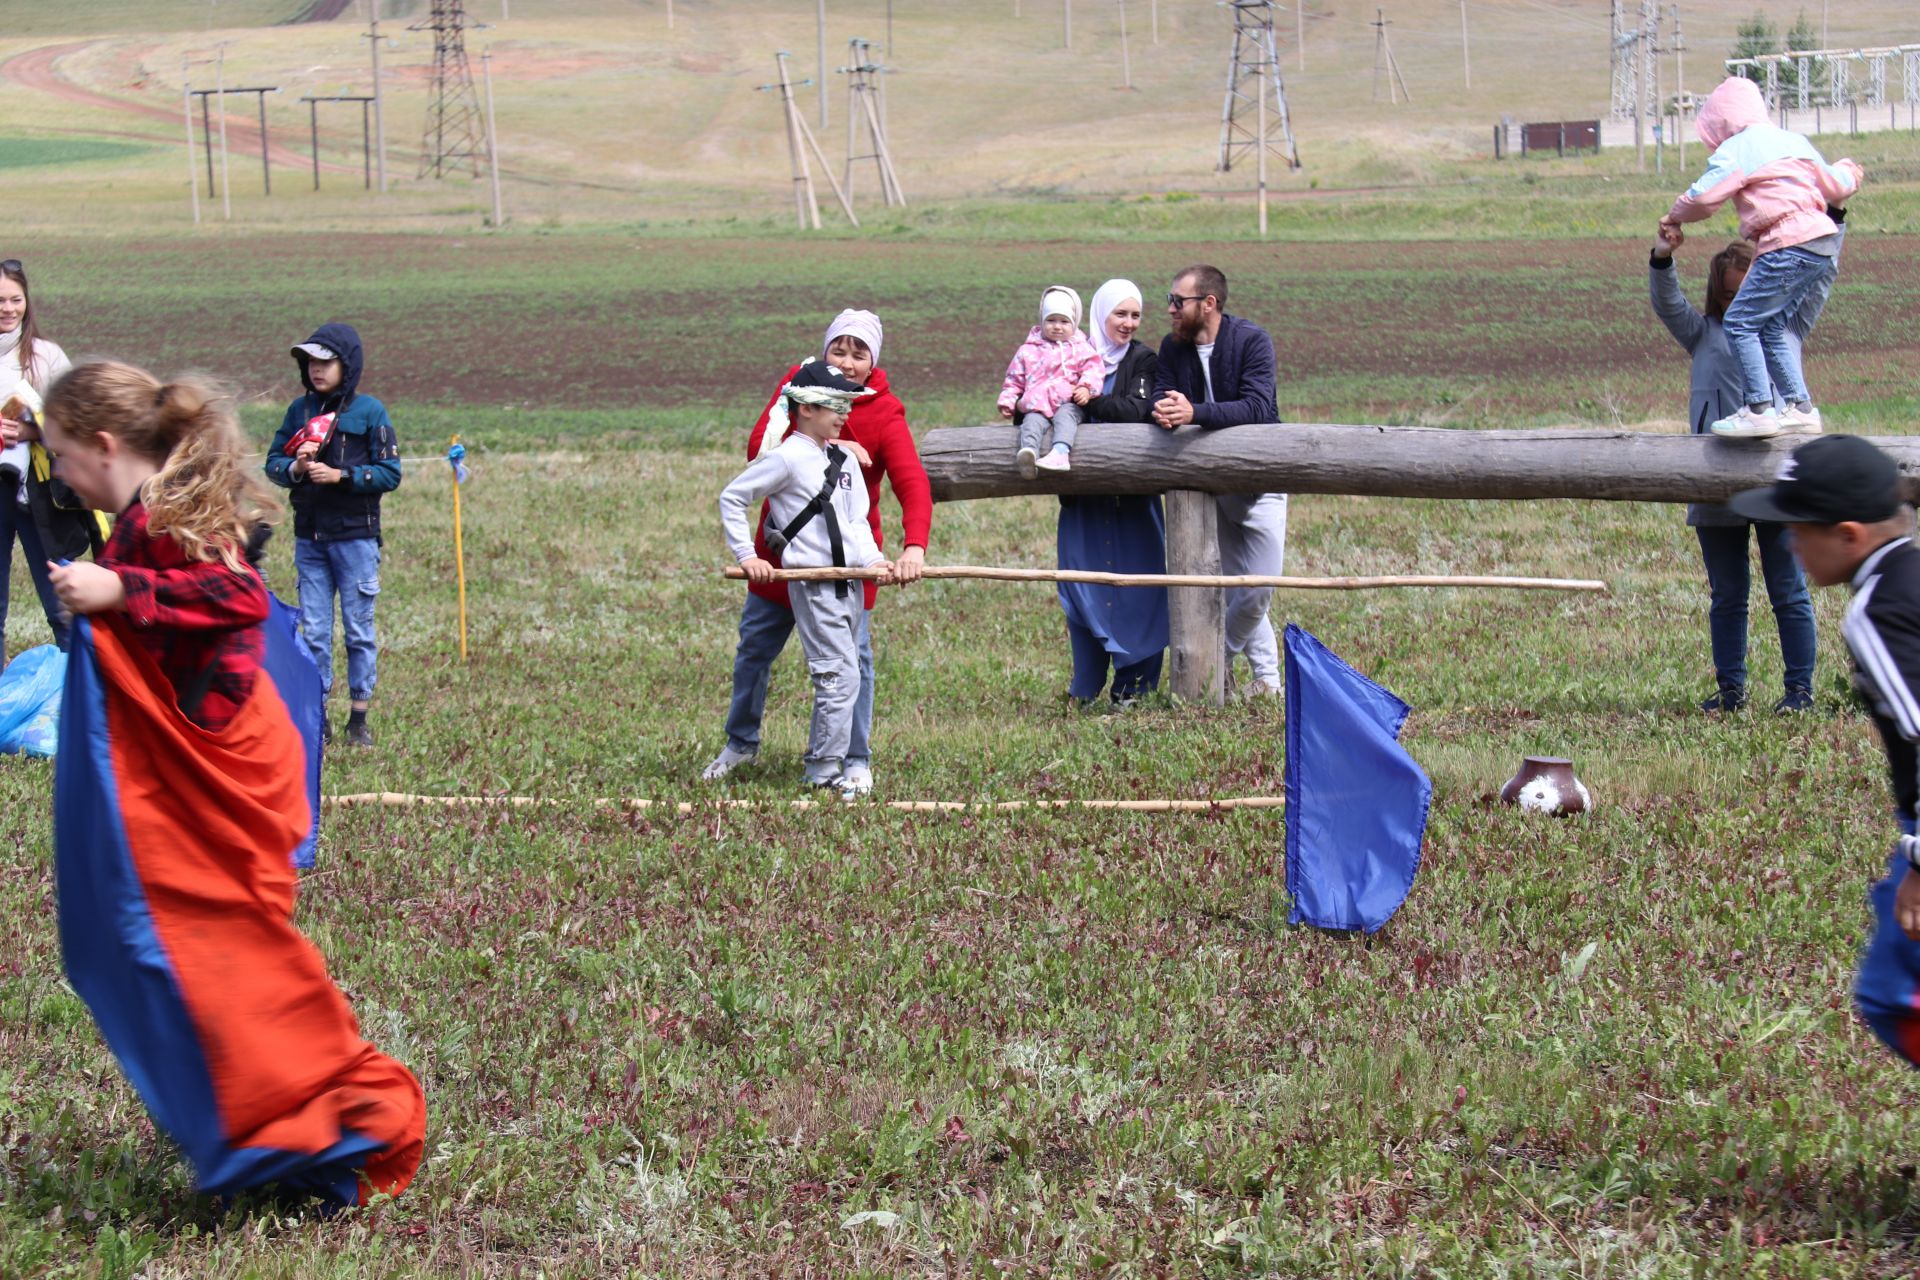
(1623, 58)
(1254, 74)
(456, 135)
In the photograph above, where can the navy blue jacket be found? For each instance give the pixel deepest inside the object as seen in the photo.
(1244, 387)
(363, 448)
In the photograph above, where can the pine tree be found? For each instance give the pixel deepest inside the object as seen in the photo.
(1801, 37)
(1754, 38)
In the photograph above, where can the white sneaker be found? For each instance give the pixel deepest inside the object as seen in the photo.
(1055, 461)
(1028, 462)
(1745, 424)
(857, 781)
(726, 762)
(1804, 420)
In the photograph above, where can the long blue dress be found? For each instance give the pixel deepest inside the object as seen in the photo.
(1122, 626)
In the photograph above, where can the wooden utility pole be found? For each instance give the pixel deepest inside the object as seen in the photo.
(226, 178)
(1126, 59)
(800, 139)
(1153, 15)
(1384, 61)
(493, 141)
(1466, 61)
(193, 177)
(820, 41)
(1260, 149)
(1679, 89)
(1300, 31)
(379, 116)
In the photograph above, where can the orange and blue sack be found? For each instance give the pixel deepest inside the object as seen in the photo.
(173, 850)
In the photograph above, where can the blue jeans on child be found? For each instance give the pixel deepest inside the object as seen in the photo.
(350, 569)
(1777, 287)
(17, 523)
(1729, 578)
(764, 628)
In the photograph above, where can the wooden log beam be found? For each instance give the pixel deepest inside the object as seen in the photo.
(1389, 462)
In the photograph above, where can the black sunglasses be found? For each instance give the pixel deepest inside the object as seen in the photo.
(1175, 300)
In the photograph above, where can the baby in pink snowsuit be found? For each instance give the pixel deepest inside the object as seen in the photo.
(1053, 374)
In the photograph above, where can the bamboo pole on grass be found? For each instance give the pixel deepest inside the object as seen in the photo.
(995, 573)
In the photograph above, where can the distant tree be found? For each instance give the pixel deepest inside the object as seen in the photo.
(1754, 38)
(1803, 36)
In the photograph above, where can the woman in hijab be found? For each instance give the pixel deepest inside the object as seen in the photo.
(1124, 628)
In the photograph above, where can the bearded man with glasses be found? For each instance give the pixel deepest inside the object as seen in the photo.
(1216, 370)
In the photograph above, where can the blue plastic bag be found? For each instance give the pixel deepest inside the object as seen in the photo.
(30, 701)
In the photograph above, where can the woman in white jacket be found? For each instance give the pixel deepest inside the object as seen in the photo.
(34, 508)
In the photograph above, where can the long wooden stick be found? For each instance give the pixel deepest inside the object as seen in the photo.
(403, 800)
(997, 574)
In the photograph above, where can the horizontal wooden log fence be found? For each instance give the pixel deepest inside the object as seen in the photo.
(1215, 581)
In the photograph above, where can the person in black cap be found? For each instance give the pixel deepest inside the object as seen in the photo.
(1842, 498)
(816, 517)
(336, 451)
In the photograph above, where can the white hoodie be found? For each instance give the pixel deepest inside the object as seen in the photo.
(787, 478)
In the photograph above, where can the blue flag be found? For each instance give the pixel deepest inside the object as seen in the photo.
(1356, 801)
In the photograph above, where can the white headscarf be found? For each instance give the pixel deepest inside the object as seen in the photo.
(1105, 299)
(863, 325)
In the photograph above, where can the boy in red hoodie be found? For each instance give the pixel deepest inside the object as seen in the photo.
(883, 445)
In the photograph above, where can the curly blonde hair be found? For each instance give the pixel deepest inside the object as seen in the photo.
(202, 496)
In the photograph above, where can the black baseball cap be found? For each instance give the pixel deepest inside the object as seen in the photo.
(826, 377)
(1827, 481)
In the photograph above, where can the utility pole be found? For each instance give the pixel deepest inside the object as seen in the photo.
(820, 41)
(379, 116)
(220, 88)
(1384, 61)
(1679, 88)
(1261, 150)
(863, 91)
(1659, 108)
(1300, 31)
(493, 139)
(1643, 57)
(1126, 59)
(1466, 64)
(806, 205)
(193, 177)
(1153, 14)
(1066, 20)
(451, 137)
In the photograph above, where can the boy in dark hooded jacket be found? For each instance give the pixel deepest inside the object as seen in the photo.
(336, 451)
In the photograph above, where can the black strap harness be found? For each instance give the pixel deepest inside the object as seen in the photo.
(821, 504)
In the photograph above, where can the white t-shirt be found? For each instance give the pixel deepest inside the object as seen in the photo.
(1206, 365)
(49, 363)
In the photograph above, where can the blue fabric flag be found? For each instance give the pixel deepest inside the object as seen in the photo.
(456, 456)
(1356, 801)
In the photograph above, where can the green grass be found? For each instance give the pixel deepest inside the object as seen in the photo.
(1040, 1043)
(31, 153)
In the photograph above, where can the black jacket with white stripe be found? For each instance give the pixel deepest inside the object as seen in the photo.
(1882, 628)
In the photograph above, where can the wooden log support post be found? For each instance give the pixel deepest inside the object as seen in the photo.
(1387, 462)
(1196, 616)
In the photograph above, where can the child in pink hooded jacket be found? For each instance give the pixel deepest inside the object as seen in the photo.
(1053, 374)
(1781, 187)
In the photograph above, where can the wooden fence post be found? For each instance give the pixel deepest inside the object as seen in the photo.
(1196, 616)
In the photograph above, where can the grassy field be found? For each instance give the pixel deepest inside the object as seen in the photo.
(1031, 1044)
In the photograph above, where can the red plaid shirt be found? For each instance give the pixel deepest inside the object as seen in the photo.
(191, 615)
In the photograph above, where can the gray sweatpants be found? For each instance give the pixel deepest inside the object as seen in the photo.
(829, 627)
(1253, 539)
(1066, 422)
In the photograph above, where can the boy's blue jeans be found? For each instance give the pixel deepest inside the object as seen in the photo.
(764, 628)
(351, 570)
(1777, 287)
(1730, 579)
(15, 522)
